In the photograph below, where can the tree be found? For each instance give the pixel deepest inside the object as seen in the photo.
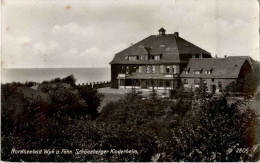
(70, 80)
(154, 95)
(93, 100)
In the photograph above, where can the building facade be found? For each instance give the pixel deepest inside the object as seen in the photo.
(215, 73)
(167, 61)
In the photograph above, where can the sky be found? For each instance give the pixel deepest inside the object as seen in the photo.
(79, 33)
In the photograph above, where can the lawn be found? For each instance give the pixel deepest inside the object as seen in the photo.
(111, 95)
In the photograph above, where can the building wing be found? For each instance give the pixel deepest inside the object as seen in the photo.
(214, 67)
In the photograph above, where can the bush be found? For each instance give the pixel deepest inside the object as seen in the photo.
(114, 84)
(208, 129)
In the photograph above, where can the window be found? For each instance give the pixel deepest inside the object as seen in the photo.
(174, 69)
(146, 57)
(147, 69)
(212, 80)
(157, 57)
(197, 72)
(208, 72)
(196, 82)
(141, 57)
(186, 71)
(135, 68)
(127, 69)
(205, 83)
(126, 58)
(167, 83)
(220, 86)
(153, 68)
(133, 58)
(140, 69)
(161, 69)
(160, 83)
(167, 69)
(185, 82)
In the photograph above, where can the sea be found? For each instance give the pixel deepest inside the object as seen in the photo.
(82, 75)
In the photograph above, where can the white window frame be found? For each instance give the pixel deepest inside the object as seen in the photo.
(157, 57)
(196, 84)
(186, 83)
(208, 72)
(140, 69)
(133, 58)
(196, 72)
(147, 69)
(153, 69)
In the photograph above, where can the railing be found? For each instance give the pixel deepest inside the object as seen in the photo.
(122, 75)
(96, 85)
(171, 75)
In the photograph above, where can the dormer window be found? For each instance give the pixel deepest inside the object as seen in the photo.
(186, 71)
(133, 58)
(208, 72)
(156, 57)
(196, 72)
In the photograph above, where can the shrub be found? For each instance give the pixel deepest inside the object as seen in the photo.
(210, 129)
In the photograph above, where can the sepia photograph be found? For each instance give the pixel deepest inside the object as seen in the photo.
(130, 81)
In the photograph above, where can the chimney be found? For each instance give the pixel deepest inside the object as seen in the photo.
(162, 31)
(225, 56)
(176, 34)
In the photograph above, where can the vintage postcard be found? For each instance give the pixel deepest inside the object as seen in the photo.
(130, 81)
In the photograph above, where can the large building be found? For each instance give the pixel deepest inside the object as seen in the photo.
(167, 61)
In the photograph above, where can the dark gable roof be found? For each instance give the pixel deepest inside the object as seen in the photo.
(170, 46)
(185, 47)
(249, 59)
(221, 67)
